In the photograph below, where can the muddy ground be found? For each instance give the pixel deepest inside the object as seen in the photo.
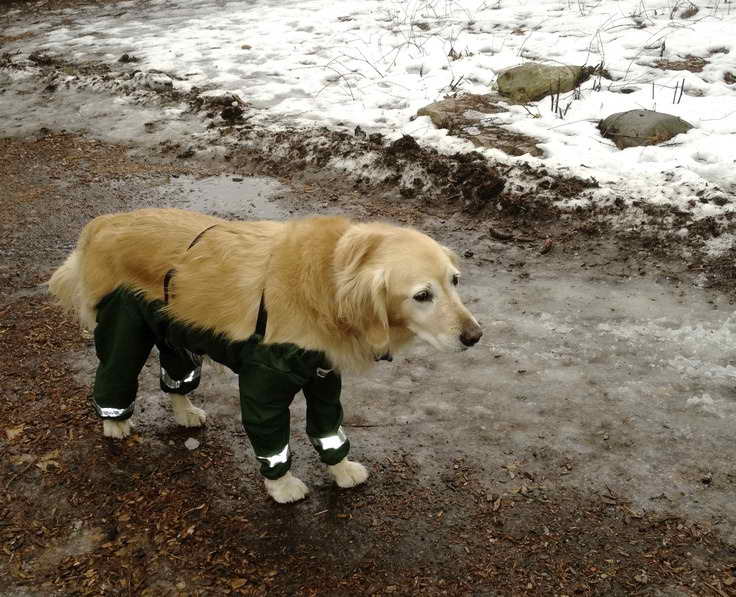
(584, 448)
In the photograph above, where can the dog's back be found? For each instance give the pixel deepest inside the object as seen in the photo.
(136, 249)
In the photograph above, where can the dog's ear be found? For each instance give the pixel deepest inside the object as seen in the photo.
(362, 286)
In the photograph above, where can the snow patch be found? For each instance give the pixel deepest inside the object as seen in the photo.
(373, 63)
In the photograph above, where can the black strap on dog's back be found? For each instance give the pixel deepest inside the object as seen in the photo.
(167, 281)
(262, 320)
(200, 235)
(170, 274)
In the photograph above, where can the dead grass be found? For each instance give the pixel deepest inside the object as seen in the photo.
(694, 64)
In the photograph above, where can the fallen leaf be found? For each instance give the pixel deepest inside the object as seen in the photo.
(22, 459)
(236, 583)
(47, 460)
(13, 432)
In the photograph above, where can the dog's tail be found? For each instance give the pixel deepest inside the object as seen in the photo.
(67, 283)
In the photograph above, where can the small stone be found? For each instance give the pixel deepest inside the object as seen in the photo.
(642, 578)
(159, 82)
(232, 113)
(219, 97)
(376, 138)
(641, 127)
(191, 444)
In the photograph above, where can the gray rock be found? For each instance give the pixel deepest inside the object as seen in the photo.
(219, 97)
(468, 117)
(533, 81)
(641, 127)
(191, 444)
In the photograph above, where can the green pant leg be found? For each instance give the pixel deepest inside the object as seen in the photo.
(180, 371)
(324, 417)
(265, 397)
(123, 342)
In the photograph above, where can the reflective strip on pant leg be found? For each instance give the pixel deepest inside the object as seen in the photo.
(330, 442)
(274, 460)
(113, 413)
(175, 384)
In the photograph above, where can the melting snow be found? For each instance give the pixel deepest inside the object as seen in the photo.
(373, 63)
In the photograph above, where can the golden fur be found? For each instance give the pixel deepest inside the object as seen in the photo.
(330, 284)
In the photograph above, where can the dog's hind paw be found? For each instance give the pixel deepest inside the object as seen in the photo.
(348, 473)
(286, 489)
(185, 413)
(116, 429)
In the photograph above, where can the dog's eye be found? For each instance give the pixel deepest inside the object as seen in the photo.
(423, 296)
(455, 280)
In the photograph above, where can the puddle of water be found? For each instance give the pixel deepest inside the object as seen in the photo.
(243, 197)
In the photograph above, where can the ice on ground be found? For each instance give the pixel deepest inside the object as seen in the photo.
(706, 403)
(373, 63)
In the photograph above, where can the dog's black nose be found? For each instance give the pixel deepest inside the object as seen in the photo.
(471, 336)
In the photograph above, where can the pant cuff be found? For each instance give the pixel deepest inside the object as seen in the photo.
(277, 465)
(114, 414)
(180, 386)
(331, 448)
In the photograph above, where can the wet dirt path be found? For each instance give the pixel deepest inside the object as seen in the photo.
(583, 448)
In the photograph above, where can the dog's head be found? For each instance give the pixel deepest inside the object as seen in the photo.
(397, 282)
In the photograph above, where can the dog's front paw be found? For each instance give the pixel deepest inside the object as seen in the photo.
(186, 414)
(348, 473)
(286, 489)
(116, 429)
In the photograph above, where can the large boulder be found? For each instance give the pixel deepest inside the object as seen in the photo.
(532, 81)
(469, 117)
(641, 127)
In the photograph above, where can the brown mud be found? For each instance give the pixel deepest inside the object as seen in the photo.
(83, 515)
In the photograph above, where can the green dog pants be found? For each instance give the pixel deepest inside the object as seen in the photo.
(270, 376)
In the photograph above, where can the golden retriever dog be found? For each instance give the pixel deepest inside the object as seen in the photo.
(289, 306)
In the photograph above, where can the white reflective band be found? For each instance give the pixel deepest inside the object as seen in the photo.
(192, 376)
(113, 413)
(331, 442)
(280, 458)
(323, 372)
(175, 384)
